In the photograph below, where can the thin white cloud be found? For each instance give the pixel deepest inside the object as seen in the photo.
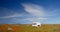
(12, 16)
(18, 20)
(35, 19)
(34, 10)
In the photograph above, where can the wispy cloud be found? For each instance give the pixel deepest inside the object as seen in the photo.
(12, 16)
(34, 10)
(35, 19)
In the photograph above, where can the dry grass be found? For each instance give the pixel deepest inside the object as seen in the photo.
(29, 28)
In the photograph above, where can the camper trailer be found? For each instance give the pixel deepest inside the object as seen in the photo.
(36, 24)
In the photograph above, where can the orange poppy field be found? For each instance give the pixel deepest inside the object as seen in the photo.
(29, 28)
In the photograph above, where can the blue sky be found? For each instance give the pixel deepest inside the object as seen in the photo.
(27, 11)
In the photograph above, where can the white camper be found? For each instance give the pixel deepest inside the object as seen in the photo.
(36, 24)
